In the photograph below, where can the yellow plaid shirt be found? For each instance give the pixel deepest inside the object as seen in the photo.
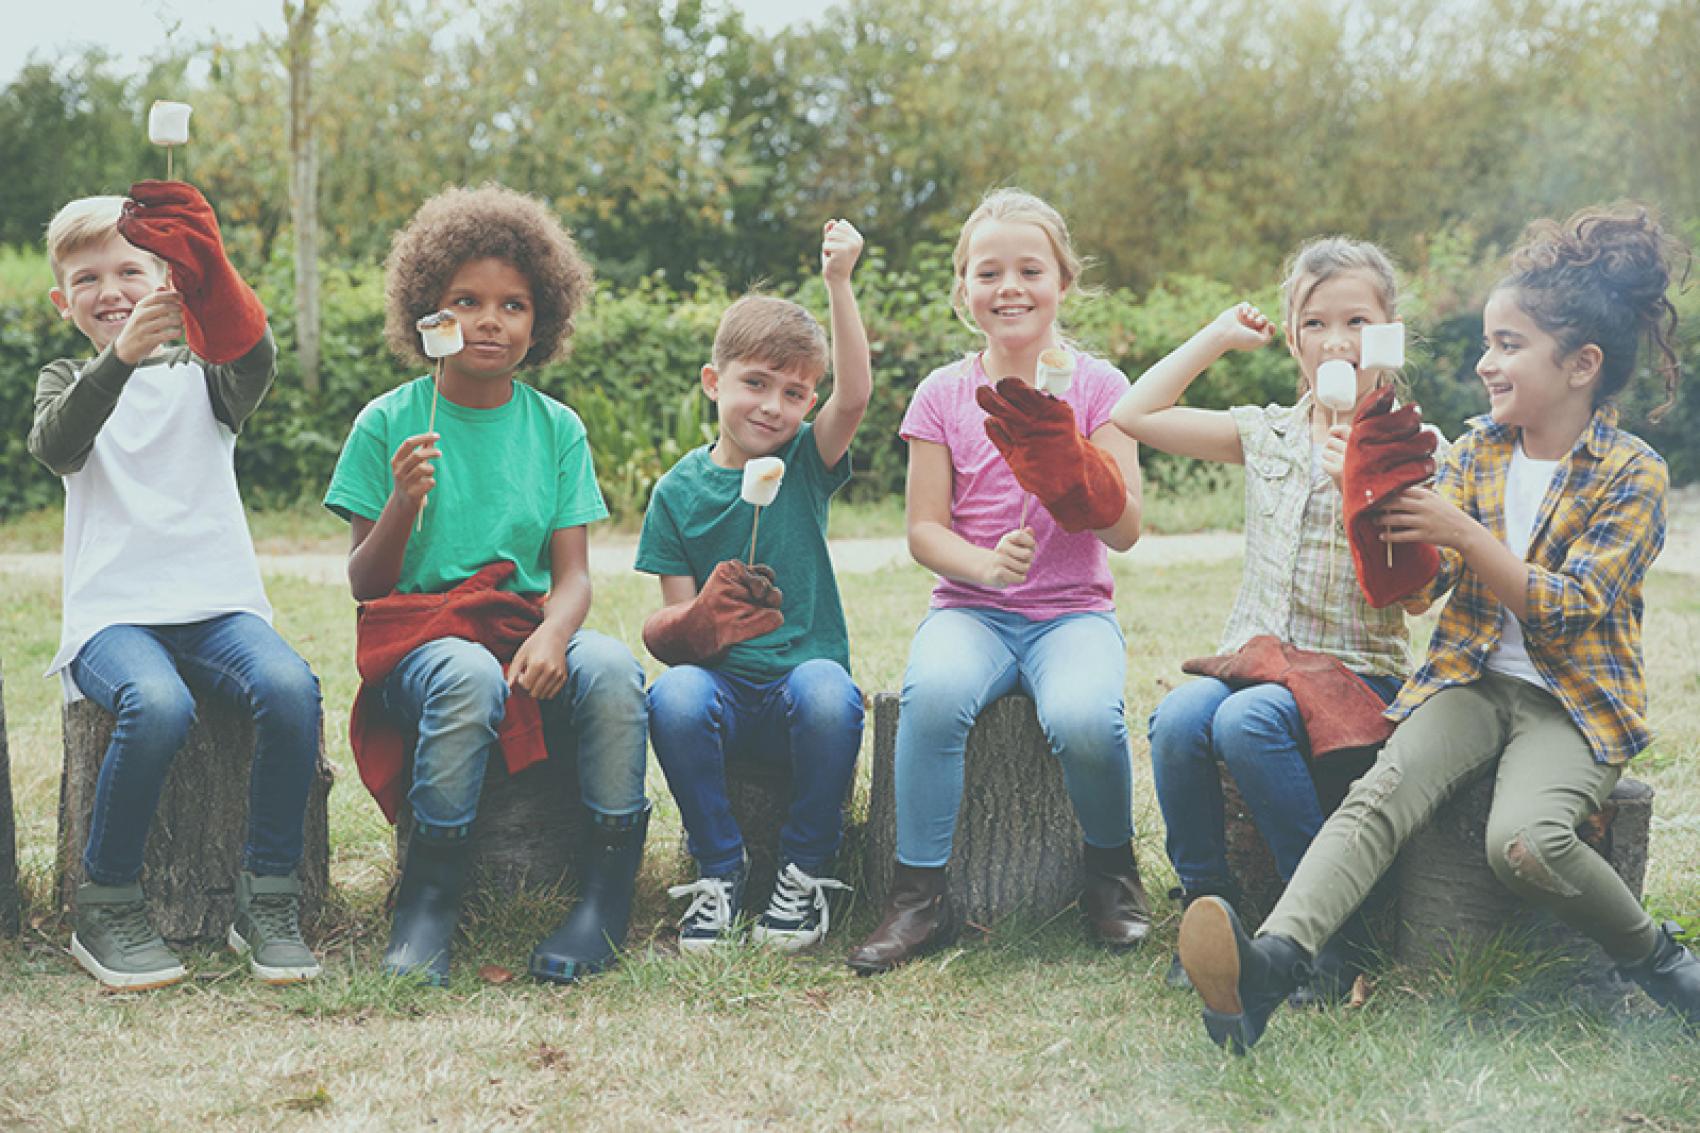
(1601, 524)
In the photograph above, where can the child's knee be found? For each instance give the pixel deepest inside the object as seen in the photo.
(162, 708)
(684, 694)
(288, 686)
(1522, 858)
(467, 680)
(820, 694)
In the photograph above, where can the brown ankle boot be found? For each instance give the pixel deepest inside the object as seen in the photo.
(1113, 899)
(919, 919)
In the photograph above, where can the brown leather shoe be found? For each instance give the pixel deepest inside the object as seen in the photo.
(1113, 899)
(919, 919)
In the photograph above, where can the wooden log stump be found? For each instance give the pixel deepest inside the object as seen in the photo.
(529, 829)
(1018, 844)
(194, 847)
(1249, 859)
(1449, 898)
(760, 794)
(8, 832)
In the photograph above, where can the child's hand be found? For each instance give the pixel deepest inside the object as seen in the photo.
(839, 247)
(412, 469)
(1011, 559)
(155, 321)
(539, 666)
(1334, 453)
(1423, 515)
(1243, 327)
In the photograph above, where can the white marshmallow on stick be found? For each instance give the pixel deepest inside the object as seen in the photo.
(439, 332)
(1337, 385)
(1056, 371)
(762, 477)
(168, 126)
(1382, 347)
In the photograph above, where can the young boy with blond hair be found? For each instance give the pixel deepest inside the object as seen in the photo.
(760, 654)
(162, 593)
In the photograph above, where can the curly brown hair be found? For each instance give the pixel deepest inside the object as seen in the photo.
(489, 222)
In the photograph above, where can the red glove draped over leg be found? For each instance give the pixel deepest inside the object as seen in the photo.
(737, 603)
(222, 317)
(1388, 451)
(1078, 483)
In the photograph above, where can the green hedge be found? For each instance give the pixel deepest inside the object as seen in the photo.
(632, 376)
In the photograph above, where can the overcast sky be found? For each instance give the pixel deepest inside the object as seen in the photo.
(132, 30)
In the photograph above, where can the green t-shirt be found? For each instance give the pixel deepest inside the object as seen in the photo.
(508, 479)
(697, 518)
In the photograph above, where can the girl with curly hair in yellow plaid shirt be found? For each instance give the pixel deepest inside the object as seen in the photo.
(1547, 516)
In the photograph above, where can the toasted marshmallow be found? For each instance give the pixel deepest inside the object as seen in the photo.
(168, 123)
(762, 476)
(1382, 346)
(441, 335)
(1056, 371)
(1337, 385)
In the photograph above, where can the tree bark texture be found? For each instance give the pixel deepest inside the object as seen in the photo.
(529, 829)
(8, 832)
(1449, 898)
(194, 847)
(1018, 844)
(304, 186)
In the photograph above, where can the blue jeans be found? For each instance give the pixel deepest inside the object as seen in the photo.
(1257, 733)
(963, 659)
(453, 694)
(143, 676)
(701, 719)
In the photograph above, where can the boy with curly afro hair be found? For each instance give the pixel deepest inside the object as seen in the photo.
(471, 560)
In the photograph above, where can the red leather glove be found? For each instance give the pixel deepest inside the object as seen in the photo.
(1078, 483)
(1340, 711)
(222, 317)
(737, 603)
(1387, 452)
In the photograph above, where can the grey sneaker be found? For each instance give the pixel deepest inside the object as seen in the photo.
(711, 918)
(268, 928)
(114, 940)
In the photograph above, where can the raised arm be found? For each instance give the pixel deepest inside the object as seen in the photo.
(1149, 411)
(852, 372)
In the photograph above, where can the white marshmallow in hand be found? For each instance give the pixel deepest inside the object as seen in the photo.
(1337, 385)
(440, 333)
(1056, 371)
(762, 477)
(1382, 346)
(168, 123)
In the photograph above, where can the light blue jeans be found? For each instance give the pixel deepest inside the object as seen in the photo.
(453, 693)
(961, 660)
(143, 676)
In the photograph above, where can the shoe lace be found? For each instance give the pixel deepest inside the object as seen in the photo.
(278, 916)
(129, 925)
(795, 892)
(711, 903)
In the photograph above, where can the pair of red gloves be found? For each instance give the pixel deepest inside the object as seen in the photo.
(1387, 452)
(1077, 482)
(738, 602)
(222, 317)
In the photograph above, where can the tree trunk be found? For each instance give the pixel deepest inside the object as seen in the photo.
(194, 846)
(529, 828)
(1449, 898)
(304, 185)
(8, 832)
(1018, 844)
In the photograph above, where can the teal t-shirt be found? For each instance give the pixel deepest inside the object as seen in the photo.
(508, 479)
(697, 518)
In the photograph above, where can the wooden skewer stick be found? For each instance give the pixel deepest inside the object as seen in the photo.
(436, 385)
(1026, 499)
(754, 527)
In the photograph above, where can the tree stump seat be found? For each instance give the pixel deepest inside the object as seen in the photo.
(1018, 843)
(194, 846)
(1450, 900)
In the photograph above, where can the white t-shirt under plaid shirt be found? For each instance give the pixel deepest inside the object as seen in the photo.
(1298, 583)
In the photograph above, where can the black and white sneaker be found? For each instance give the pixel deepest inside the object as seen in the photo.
(711, 916)
(797, 914)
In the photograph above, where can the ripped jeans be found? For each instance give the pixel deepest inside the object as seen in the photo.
(1547, 781)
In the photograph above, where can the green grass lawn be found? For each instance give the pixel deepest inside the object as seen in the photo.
(1025, 1028)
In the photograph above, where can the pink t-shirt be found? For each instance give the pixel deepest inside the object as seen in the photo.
(1071, 573)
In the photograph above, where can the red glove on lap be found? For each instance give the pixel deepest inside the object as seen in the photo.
(1078, 483)
(737, 603)
(222, 317)
(1386, 453)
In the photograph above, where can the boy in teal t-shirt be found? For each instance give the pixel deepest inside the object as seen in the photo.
(759, 653)
(503, 481)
